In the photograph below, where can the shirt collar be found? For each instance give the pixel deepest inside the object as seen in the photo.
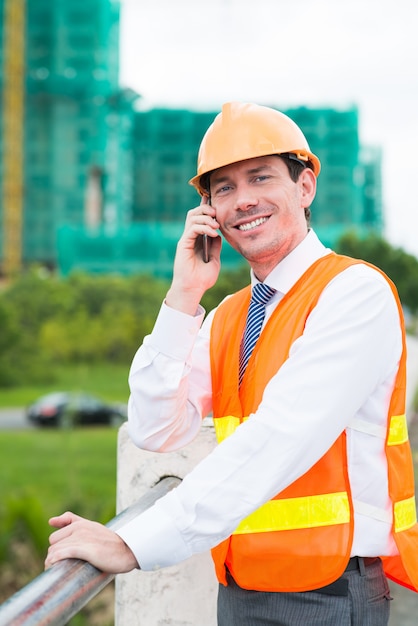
(290, 269)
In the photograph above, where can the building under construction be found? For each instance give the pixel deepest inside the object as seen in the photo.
(66, 125)
(88, 181)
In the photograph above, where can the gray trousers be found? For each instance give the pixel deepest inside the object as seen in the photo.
(366, 604)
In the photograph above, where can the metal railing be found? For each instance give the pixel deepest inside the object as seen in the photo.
(59, 593)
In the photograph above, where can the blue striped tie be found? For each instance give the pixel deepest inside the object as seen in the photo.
(261, 294)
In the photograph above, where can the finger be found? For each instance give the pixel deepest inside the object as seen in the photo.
(65, 550)
(53, 556)
(63, 520)
(203, 210)
(62, 533)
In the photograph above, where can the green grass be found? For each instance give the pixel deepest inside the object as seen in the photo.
(109, 381)
(44, 473)
(62, 469)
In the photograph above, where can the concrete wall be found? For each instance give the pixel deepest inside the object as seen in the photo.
(184, 595)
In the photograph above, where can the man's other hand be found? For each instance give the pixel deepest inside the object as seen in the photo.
(79, 538)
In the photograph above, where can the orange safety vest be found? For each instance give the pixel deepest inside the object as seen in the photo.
(301, 539)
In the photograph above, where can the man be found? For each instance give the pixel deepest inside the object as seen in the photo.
(311, 487)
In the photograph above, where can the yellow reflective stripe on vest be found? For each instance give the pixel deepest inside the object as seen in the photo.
(225, 426)
(293, 513)
(405, 514)
(398, 430)
(313, 511)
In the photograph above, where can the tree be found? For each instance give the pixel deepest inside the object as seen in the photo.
(401, 267)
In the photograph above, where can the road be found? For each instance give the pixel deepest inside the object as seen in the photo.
(13, 419)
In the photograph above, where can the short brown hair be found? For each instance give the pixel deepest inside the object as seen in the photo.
(295, 167)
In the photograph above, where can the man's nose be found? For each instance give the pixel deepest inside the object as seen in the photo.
(245, 198)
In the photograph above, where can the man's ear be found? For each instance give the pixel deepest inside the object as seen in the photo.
(307, 180)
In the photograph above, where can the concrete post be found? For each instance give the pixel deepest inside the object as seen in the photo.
(182, 595)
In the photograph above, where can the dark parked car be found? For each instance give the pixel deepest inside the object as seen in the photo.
(66, 409)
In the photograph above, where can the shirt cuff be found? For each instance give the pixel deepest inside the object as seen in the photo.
(174, 332)
(154, 539)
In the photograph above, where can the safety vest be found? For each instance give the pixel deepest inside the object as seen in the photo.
(301, 539)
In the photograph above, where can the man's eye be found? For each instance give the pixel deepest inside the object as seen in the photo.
(262, 177)
(222, 189)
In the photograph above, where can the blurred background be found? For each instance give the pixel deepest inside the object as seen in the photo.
(105, 103)
(317, 54)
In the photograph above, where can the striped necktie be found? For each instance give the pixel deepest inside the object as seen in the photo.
(261, 294)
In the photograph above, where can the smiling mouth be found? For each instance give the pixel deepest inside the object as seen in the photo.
(253, 224)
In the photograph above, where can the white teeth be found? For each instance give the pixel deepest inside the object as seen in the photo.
(253, 224)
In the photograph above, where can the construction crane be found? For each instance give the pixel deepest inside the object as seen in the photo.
(13, 134)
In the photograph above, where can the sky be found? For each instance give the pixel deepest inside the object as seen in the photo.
(197, 54)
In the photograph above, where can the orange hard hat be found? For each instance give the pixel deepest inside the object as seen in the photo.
(245, 131)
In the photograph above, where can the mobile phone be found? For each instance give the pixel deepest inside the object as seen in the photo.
(205, 248)
(205, 244)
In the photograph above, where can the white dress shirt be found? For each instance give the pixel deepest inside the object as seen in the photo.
(339, 376)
